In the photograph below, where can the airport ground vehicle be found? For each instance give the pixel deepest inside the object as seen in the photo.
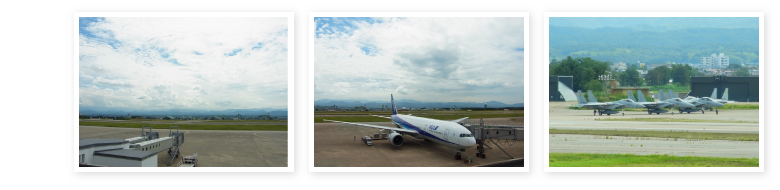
(189, 161)
(367, 140)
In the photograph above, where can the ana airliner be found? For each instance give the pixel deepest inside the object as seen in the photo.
(447, 133)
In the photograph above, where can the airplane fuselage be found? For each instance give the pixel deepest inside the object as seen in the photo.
(447, 133)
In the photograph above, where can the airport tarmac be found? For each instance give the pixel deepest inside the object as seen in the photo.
(563, 118)
(199, 122)
(215, 148)
(334, 147)
(569, 143)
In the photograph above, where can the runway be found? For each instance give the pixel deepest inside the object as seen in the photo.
(215, 148)
(566, 143)
(334, 147)
(563, 118)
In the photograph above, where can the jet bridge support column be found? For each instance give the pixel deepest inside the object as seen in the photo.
(484, 133)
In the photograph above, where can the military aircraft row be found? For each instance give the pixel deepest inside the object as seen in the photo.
(670, 101)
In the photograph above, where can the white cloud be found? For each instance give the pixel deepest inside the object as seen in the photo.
(184, 63)
(426, 59)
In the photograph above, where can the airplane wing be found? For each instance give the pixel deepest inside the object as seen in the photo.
(382, 116)
(614, 106)
(377, 126)
(459, 120)
(654, 104)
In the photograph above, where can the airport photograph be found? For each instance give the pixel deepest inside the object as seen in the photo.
(417, 91)
(167, 90)
(642, 91)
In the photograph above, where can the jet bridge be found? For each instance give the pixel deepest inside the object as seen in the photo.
(178, 140)
(498, 135)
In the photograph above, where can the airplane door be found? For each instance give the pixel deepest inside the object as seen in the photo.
(446, 133)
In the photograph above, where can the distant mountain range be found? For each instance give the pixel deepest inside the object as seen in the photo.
(411, 104)
(183, 112)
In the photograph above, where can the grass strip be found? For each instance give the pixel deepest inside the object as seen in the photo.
(663, 134)
(633, 160)
(189, 126)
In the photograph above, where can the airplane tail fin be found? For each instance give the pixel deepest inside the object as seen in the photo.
(661, 95)
(671, 94)
(591, 97)
(725, 95)
(631, 96)
(714, 93)
(392, 101)
(641, 96)
(581, 98)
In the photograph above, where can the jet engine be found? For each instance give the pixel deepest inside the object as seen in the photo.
(395, 138)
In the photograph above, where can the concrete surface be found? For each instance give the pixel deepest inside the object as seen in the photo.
(334, 147)
(214, 148)
(568, 143)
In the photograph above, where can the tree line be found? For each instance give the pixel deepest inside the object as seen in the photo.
(586, 72)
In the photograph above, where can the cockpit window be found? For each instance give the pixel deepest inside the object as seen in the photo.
(465, 135)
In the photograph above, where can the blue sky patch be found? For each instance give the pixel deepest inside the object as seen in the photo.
(340, 24)
(258, 46)
(369, 50)
(175, 62)
(86, 22)
(234, 52)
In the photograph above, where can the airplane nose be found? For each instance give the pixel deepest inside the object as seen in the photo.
(472, 142)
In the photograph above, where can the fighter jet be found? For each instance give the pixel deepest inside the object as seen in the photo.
(703, 103)
(678, 103)
(722, 100)
(605, 107)
(653, 107)
(658, 107)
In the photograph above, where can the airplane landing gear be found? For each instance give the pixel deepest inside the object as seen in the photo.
(457, 156)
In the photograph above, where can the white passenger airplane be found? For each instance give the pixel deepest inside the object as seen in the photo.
(447, 133)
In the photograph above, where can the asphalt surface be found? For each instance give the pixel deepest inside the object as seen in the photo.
(334, 147)
(214, 148)
(563, 118)
(568, 143)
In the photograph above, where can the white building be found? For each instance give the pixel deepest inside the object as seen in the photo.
(713, 61)
(619, 67)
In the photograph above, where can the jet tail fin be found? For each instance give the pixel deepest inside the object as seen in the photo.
(714, 93)
(392, 101)
(591, 97)
(631, 96)
(581, 98)
(671, 94)
(641, 97)
(725, 95)
(661, 95)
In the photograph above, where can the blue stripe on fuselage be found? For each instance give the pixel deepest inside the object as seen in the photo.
(408, 125)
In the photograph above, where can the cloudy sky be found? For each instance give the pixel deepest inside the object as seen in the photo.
(182, 63)
(423, 59)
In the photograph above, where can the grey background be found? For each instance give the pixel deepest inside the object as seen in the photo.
(536, 35)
